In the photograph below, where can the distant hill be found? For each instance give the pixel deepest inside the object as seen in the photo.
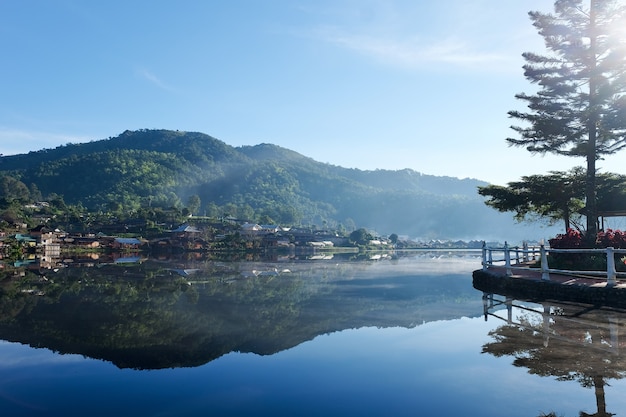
(263, 182)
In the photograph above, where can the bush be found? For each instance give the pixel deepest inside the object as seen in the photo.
(611, 238)
(573, 239)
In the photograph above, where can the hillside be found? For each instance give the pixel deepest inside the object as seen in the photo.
(162, 168)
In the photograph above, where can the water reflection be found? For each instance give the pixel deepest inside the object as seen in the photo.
(571, 342)
(400, 336)
(158, 314)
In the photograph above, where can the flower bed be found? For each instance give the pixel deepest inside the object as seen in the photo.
(573, 239)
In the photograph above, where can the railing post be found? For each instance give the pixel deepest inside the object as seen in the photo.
(485, 305)
(545, 273)
(509, 310)
(611, 273)
(546, 325)
(507, 260)
(525, 253)
(484, 256)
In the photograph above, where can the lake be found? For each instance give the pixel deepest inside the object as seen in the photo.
(402, 334)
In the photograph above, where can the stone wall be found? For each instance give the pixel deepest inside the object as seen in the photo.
(537, 290)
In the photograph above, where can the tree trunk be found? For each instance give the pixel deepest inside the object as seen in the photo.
(590, 179)
(598, 382)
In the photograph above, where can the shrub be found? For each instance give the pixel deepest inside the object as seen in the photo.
(611, 238)
(573, 239)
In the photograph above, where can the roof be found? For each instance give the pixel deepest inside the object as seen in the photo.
(24, 238)
(614, 213)
(41, 228)
(186, 228)
(128, 241)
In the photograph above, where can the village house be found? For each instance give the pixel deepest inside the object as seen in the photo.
(253, 229)
(269, 228)
(84, 242)
(185, 230)
(276, 241)
(125, 243)
(250, 229)
(43, 235)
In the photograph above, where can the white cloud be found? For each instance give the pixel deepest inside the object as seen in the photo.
(481, 35)
(417, 52)
(152, 78)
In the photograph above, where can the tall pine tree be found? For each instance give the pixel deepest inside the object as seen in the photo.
(579, 109)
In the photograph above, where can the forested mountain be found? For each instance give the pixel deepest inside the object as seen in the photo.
(262, 183)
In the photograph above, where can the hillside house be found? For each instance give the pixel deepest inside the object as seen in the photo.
(126, 243)
(275, 241)
(84, 242)
(43, 235)
(321, 244)
(186, 229)
(250, 229)
(269, 228)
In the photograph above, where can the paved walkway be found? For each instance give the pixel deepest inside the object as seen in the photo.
(535, 274)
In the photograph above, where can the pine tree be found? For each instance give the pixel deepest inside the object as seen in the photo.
(579, 109)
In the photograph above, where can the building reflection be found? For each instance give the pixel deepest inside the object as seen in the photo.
(571, 342)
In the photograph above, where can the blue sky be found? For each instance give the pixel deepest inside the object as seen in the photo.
(369, 84)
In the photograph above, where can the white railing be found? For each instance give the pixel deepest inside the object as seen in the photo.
(516, 258)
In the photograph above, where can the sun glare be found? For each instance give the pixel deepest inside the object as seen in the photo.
(617, 32)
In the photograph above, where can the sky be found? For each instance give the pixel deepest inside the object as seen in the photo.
(368, 84)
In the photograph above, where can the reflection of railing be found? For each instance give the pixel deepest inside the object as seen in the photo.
(516, 258)
(554, 324)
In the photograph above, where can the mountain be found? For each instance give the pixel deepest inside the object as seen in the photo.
(163, 168)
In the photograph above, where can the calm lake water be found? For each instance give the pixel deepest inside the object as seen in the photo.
(401, 335)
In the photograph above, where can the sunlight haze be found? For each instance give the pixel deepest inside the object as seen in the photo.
(368, 84)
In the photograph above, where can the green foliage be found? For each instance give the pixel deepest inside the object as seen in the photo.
(557, 196)
(580, 106)
(193, 204)
(13, 250)
(13, 189)
(14, 194)
(165, 175)
(360, 237)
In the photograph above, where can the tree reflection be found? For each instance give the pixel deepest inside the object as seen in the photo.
(571, 342)
(156, 314)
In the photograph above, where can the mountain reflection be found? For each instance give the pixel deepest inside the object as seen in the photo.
(155, 314)
(571, 342)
